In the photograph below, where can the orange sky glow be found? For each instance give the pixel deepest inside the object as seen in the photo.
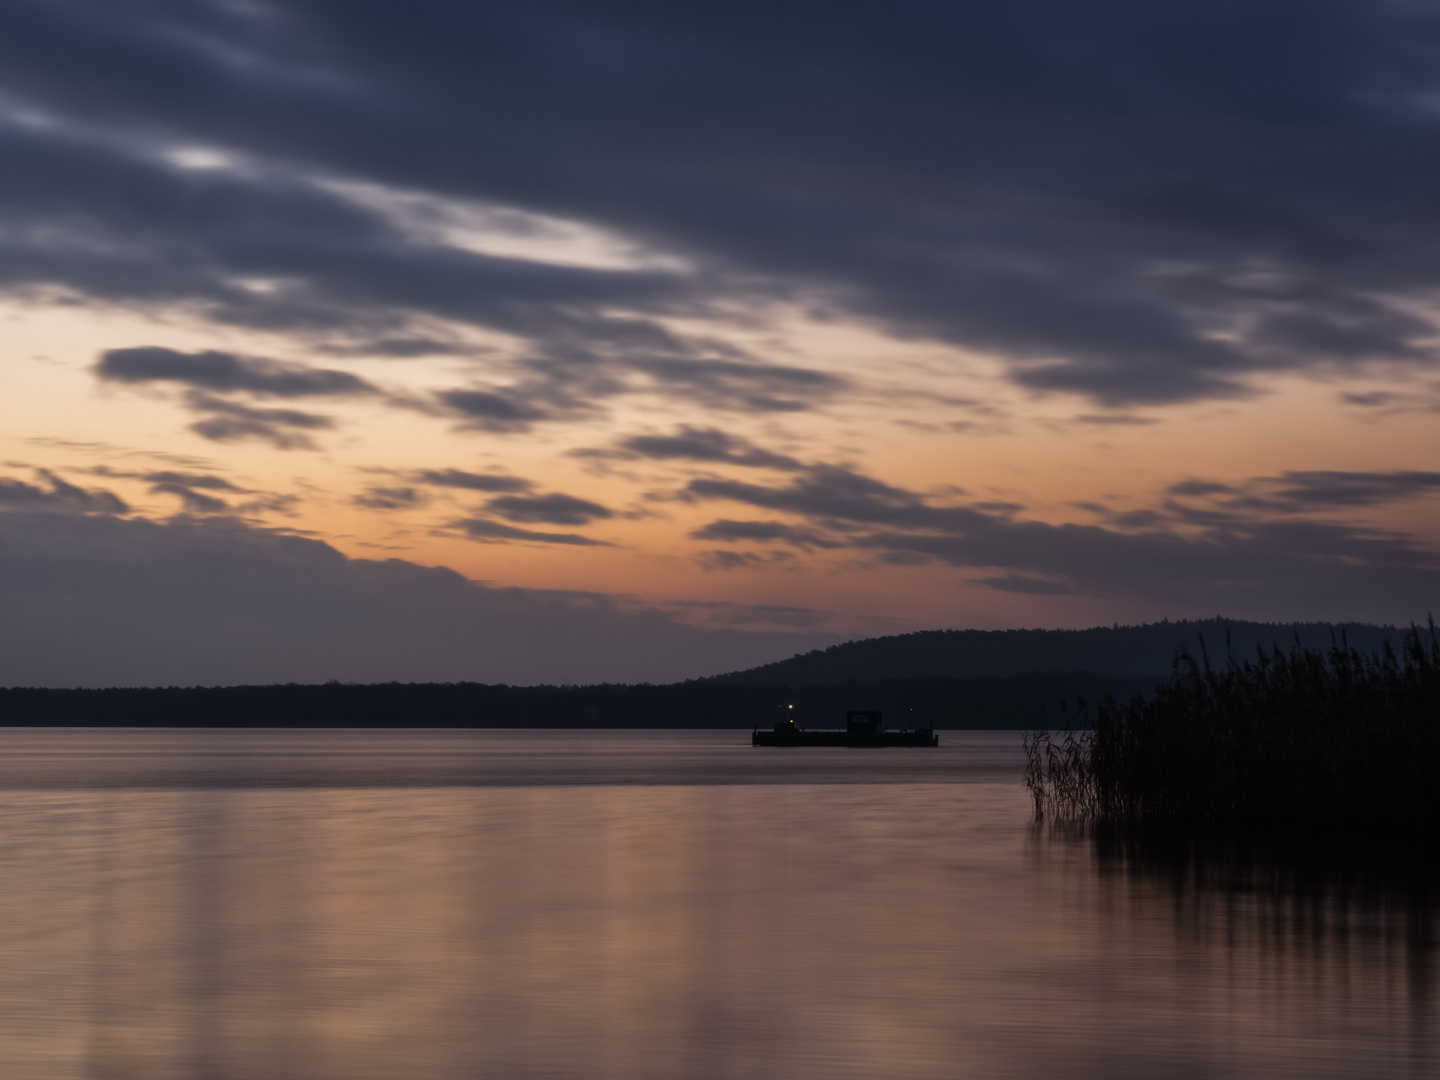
(976, 322)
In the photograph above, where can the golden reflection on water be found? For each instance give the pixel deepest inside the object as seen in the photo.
(797, 930)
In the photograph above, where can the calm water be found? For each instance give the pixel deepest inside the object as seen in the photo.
(338, 906)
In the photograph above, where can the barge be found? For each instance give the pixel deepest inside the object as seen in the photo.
(862, 729)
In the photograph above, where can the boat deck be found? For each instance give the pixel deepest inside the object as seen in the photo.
(920, 737)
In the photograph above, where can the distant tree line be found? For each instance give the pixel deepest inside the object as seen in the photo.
(1018, 701)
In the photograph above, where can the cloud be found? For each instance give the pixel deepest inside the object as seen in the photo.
(194, 489)
(1308, 491)
(224, 373)
(468, 481)
(103, 601)
(205, 481)
(208, 374)
(495, 531)
(229, 421)
(838, 497)
(1199, 487)
(491, 411)
(554, 509)
(1252, 557)
(1374, 399)
(1056, 186)
(763, 531)
(59, 495)
(398, 348)
(1115, 420)
(377, 497)
(1328, 488)
(730, 384)
(720, 559)
(194, 502)
(688, 443)
(569, 381)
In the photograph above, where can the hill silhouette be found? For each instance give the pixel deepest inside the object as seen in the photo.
(1145, 650)
(949, 678)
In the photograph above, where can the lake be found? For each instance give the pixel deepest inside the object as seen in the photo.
(329, 905)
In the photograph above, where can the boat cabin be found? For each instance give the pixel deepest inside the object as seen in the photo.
(865, 724)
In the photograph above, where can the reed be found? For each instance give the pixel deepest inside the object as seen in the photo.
(1311, 739)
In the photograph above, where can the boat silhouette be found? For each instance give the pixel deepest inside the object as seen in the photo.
(862, 729)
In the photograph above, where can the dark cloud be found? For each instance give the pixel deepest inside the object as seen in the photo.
(1144, 518)
(399, 348)
(1115, 420)
(195, 491)
(1244, 556)
(325, 264)
(389, 498)
(1374, 399)
(209, 374)
(548, 509)
(1135, 204)
(731, 384)
(764, 532)
(497, 532)
(205, 481)
(839, 497)
(1307, 491)
(699, 444)
(491, 411)
(468, 481)
(1325, 488)
(1199, 487)
(570, 383)
(1378, 334)
(720, 559)
(57, 495)
(104, 601)
(223, 373)
(194, 502)
(1001, 507)
(229, 421)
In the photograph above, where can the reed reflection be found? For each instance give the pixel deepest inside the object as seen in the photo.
(1332, 900)
(1331, 939)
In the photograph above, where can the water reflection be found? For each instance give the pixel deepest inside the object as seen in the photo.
(814, 929)
(1315, 953)
(1352, 915)
(573, 931)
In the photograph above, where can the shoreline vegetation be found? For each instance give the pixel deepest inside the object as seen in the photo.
(1314, 740)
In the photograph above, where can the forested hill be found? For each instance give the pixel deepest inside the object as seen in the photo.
(1134, 650)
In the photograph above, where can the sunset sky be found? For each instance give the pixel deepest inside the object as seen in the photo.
(695, 335)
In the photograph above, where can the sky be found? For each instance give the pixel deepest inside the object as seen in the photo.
(554, 341)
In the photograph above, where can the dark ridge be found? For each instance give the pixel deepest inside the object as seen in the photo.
(962, 654)
(1013, 702)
